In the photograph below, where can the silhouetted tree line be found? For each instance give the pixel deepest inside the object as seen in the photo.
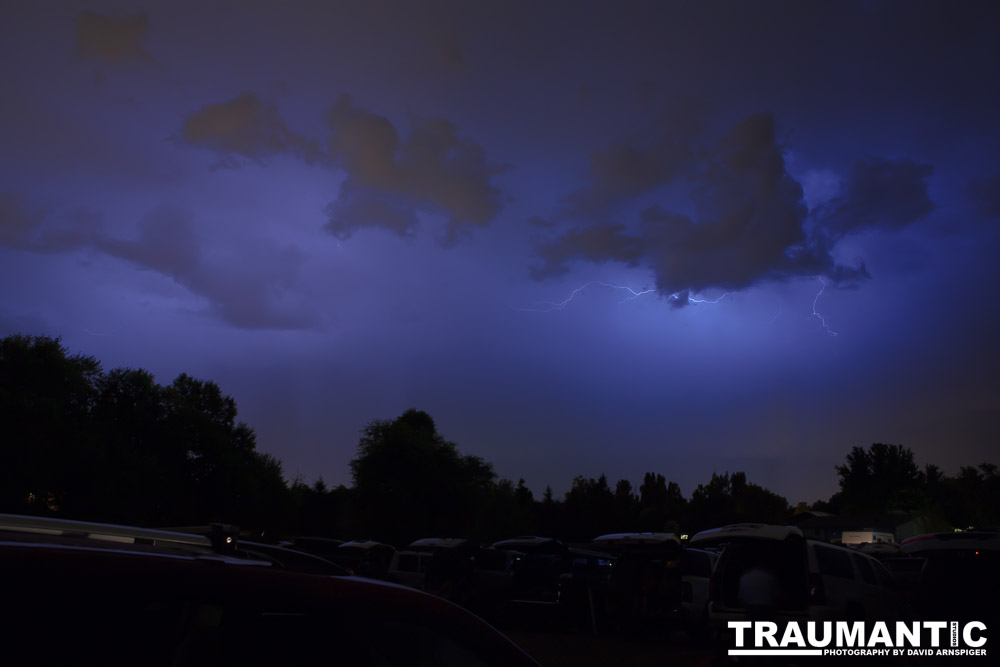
(115, 446)
(885, 479)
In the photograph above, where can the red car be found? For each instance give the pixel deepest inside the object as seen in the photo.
(76, 597)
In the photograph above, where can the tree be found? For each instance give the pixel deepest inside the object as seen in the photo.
(973, 498)
(118, 447)
(661, 506)
(626, 506)
(883, 478)
(410, 482)
(549, 513)
(589, 509)
(134, 469)
(731, 499)
(45, 400)
(509, 510)
(226, 480)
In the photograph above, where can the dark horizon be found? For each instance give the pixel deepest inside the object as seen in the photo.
(86, 442)
(674, 237)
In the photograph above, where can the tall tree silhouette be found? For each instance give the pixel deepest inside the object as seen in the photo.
(410, 482)
(882, 478)
(118, 447)
(45, 400)
(731, 499)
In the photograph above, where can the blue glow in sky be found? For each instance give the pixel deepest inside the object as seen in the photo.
(584, 237)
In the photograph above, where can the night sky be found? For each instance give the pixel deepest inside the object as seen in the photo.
(620, 237)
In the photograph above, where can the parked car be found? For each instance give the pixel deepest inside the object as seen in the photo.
(905, 570)
(324, 547)
(289, 559)
(537, 579)
(549, 569)
(463, 571)
(409, 568)
(75, 596)
(767, 572)
(960, 575)
(226, 539)
(365, 558)
(644, 588)
(555, 583)
(617, 542)
(879, 550)
(697, 566)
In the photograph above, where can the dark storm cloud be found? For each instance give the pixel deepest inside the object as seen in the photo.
(24, 226)
(248, 286)
(113, 39)
(245, 287)
(599, 243)
(879, 194)
(434, 171)
(19, 225)
(247, 126)
(622, 172)
(619, 172)
(986, 197)
(357, 208)
(538, 221)
(748, 224)
(815, 257)
(167, 243)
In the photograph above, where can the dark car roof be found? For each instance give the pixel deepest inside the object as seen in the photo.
(942, 542)
(532, 544)
(289, 559)
(69, 597)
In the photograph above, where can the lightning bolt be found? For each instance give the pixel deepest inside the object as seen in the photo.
(816, 314)
(549, 306)
(677, 299)
(694, 300)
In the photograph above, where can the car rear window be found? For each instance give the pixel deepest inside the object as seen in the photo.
(407, 563)
(905, 565)
(834, 562)
(781, 562)
(487, 559)
(884, 576)
(865, 568)
(696, 563)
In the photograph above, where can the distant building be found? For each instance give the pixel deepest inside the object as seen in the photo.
(853, 529)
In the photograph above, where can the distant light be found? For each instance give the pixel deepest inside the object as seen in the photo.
(229, 540)
(684, 536)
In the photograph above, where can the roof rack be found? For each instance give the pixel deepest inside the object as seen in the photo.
(223, 536)
(102, 531)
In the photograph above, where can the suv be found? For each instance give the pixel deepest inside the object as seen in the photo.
(365, 558)
(645, 584)
(77, 592)
(959, 576)
(770, 572)
(552, 581)
(409, 568)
